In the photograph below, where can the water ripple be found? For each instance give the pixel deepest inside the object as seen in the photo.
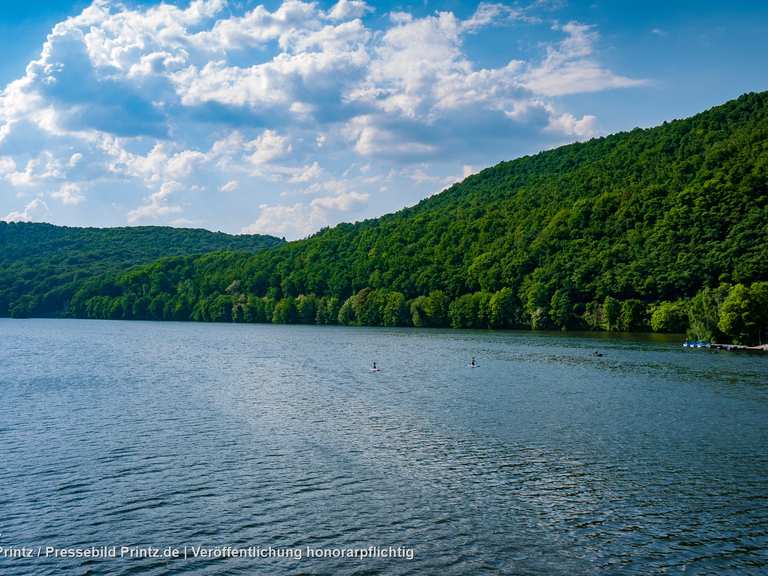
(546, 460)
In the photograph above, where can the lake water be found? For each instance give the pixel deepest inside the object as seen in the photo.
(543, 460)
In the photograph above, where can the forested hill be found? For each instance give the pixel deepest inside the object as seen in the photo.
(41, 265)
(664, 228)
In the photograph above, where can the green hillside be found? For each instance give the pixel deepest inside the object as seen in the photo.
(42, 265)
(664, 229)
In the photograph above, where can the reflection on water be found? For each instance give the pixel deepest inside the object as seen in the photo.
(544, 460)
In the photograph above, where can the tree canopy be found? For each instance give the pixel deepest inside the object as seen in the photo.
(648, 229)
(42, 265)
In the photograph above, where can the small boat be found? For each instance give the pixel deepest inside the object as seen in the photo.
(696, 344)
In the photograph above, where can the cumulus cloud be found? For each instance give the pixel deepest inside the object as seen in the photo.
(41, 168)
(69, 193)
(268, 147)
(7, 165)
(230, 186)
(487, 14)
(74, 160)
(294, 221)
(300, 219)
(570, 66)
(34, 210)
(345, 9)
(569, 125)
(342, 202)
(156, 205)
(169, 101)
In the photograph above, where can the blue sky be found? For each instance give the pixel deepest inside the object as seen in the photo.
(284, 117)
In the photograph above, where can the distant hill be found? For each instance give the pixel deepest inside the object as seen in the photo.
(648, 229)
(41, 264)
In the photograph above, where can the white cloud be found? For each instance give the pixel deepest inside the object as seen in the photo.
(259, 27)
(342, 202)
(34, 210)
(184, 223)
(164, 101)
(419, 174)
(488, 14)
(569, 125)
(345, 9)
(42, 168)
(466, 172)
(414, 56)
(304, 173)
(370, 139)
(7, 165)
(156, 205)
(230, 186)
(69, 193)
(570, 67)
(74, 160)
(292, 221)
(268, 147)
(301, 219)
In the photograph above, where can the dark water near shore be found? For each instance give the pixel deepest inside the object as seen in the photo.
(544, 460)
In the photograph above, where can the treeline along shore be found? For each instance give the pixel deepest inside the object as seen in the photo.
(725, 314)
(662, 229)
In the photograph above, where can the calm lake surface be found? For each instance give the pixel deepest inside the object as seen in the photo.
(543, 460)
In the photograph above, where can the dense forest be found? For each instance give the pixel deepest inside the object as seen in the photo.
(662, 229)
(42, 266)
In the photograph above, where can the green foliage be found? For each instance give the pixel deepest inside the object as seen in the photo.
(306, 309)
(285, 311)
(758, 293)
(704, 313)
(503, 309)
(327, 310)
(367, 307)
(395, 312)
(670, 317)
(611, 313)
(734, 318)
(593, 316)
(744, 313)
(471, 311)
(632, 316)
(430, 310)
(561, 309)
(463, 312)
(43, 266)
(346, 314)
(594, 235)
(537, 300)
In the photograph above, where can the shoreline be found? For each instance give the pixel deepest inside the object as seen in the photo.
(597, 334)
(740, 347)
